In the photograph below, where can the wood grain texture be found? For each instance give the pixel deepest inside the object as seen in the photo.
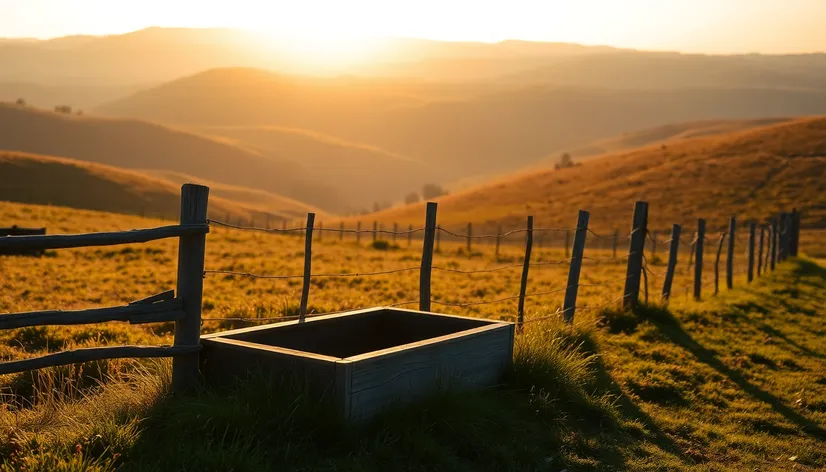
(93, 354)
(68, 241)
(308, 263)
(427, 257)
(468, 361)
(673, 252)
(136, 313)
(191, 250)
(571, 290)
(526, 266)
(699, 247)
(636, 250)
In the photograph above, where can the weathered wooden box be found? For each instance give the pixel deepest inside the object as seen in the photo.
(369, 358)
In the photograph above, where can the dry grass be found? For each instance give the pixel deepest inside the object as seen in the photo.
(695, 388)
(752, 174)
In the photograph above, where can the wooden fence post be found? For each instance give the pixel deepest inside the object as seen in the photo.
(409, 235)
(395, 232)
(427, 257)
(571, 290)
(795, 238)
(308, 259)
(283, 225)
(635, 255)
(341, 231)
(752, 231)
(469, 237)
(774, 244)
(375, 230)
(717, 263)
(760, 251)
(498, 242)
(672, 261)
(699, 247)
(781, 238)
(523, 285)
(358, 232)
(567, 243)
(732, 226)
(191, 250)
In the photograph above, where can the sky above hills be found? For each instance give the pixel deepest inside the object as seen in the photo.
(710, 26)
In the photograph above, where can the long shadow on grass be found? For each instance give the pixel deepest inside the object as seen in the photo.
(669, 326)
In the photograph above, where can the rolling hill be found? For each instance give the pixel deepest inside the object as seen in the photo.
(38, 179)
(754, 173)
(485, 134)
(667, 134)
(134, 144)
(366, 173)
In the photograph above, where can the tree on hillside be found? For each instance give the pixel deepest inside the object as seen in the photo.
(431, 191)
(63, 109)
(21, 102)
(411, 198)
(565, 161)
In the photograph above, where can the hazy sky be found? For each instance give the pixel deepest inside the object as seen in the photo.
(771, 26)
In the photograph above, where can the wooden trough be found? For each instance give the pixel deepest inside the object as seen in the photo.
(370, 358)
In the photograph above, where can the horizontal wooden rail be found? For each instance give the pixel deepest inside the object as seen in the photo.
(94, 354)
(67, 241)
(167, 310)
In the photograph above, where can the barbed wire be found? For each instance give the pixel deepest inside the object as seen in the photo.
(257, 228)
(276, 277)
(501, 235)
(316, 229)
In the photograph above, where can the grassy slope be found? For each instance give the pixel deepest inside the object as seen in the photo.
(30, 178)
(733, 383)
(750, 174)
(135, 144)
(667, 135)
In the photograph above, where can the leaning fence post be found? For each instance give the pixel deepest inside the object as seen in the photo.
(773, 244)
(699, 246)
(469, 237)
(732, 226)
(672, 261)
(308, 259)
(375, 230)
(569, 306)
(760, 251)
(427, 257)
(523, 285)
(717, 263)
(191, 249)
(752, 231)
(358, 232)
(635, 255)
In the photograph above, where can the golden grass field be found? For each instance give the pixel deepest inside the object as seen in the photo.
(663, 408)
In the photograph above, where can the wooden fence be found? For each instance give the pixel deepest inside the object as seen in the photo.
(779, 239)
(184, 309)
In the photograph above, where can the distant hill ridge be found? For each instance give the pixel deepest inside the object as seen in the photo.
(752, 173)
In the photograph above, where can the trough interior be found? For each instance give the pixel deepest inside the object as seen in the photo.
(360, 333)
